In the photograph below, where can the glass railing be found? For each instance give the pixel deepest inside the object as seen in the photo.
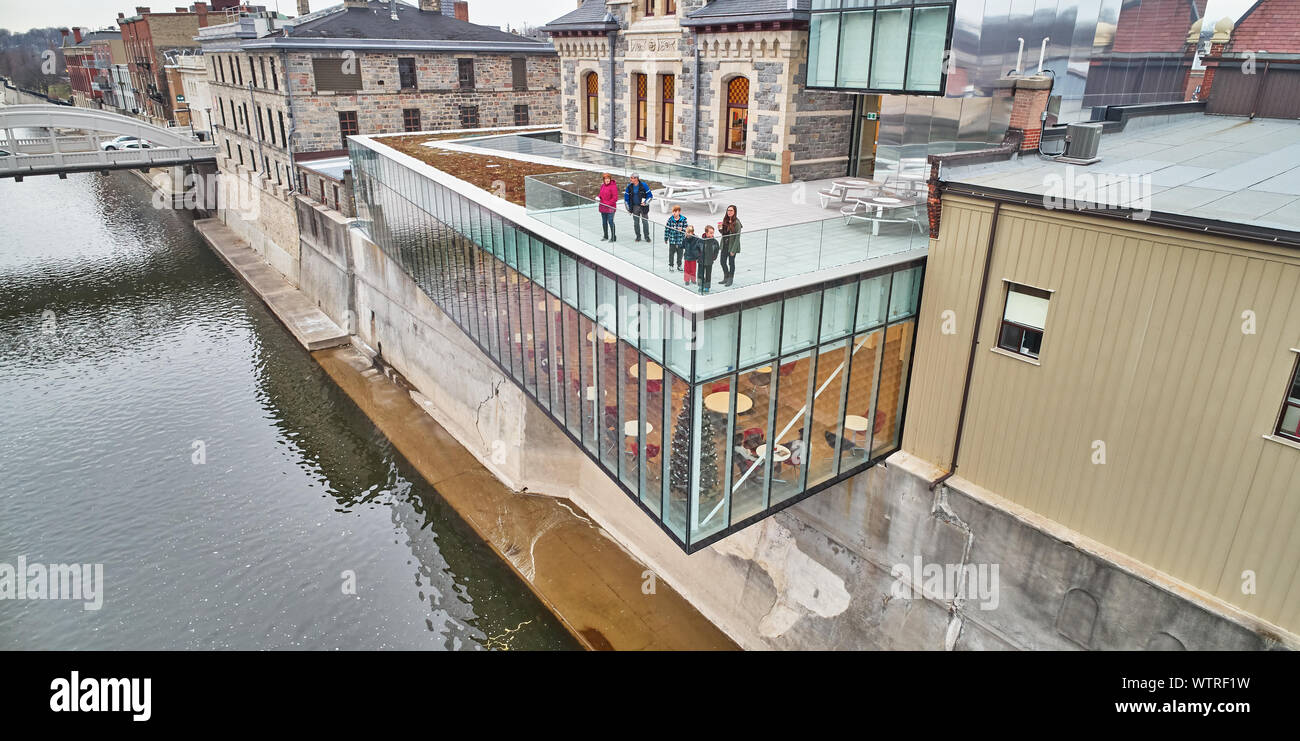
(729, 171)
(765, 254)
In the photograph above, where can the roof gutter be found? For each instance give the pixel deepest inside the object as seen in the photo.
(299, 42)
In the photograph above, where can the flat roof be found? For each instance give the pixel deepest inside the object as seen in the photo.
(1226, 169)
(331, 167)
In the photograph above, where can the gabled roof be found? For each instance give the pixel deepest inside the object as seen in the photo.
(591, 16)
(748, 11)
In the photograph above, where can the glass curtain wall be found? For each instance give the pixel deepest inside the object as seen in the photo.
(709, 423)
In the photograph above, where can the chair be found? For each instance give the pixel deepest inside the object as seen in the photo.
(718, 388)
(787, 369)
(654, 387)
(651, 451)
(844, 446)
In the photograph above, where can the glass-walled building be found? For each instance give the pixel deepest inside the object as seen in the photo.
(710, 420)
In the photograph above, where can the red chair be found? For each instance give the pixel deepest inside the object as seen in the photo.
(654, 387)
(787, 369)
(652, 451)
(720, 387)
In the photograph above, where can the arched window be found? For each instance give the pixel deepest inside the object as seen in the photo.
(737, 114)
(593, 103)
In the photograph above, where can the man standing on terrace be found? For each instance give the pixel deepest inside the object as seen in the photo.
(638, 197)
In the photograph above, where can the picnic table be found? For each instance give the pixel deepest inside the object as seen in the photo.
(878, 204)
(843, 190)
(687, 191)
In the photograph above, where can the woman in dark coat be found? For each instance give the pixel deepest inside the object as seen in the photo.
(729, 228)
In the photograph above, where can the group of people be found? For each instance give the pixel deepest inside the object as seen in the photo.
(691, 255)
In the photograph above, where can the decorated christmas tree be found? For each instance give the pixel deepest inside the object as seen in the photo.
(679, 471)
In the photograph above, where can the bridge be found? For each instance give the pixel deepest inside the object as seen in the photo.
(60, 155)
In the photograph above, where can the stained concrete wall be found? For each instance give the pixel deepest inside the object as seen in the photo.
(818, 575)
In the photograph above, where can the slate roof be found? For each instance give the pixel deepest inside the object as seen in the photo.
(589, 17)
(375, 22)
(748, 11)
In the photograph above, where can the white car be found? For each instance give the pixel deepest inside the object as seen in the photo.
(125, 142)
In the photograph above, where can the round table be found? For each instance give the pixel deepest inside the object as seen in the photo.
(608, 337)
(719, 402)
(629, 428)
(653, 371)
(857, 425)
(780, 455)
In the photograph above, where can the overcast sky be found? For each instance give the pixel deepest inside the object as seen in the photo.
(20, 15)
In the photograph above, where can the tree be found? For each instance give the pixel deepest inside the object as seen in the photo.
(679, 471)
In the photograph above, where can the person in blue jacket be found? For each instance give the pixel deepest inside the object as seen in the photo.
(638, 197)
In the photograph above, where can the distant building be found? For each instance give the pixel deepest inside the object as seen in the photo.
(1253, 69)
(89, 60)
(148, 37)
(197, 96)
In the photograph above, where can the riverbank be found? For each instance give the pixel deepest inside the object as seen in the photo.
(604, 596)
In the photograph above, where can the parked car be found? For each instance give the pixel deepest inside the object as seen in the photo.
(124, 142)
(3, 153)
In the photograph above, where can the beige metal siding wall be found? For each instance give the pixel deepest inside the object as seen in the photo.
(1144, 350)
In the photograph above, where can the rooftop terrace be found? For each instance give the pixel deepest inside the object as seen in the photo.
(791, 235)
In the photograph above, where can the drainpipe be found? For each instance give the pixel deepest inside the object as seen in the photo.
(974, 344)
(695, 141)
(288, 108)
(613, 39)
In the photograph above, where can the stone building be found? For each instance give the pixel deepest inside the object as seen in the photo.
(751, 111)
(288, 91)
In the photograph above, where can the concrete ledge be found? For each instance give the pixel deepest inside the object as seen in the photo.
(308, 324)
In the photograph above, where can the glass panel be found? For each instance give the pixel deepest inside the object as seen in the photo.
(576, 406)
(591, 403)
(679, 457)
(629, 312)
(799, 327)
(793, 377)
(709, 510)
(652, 493)
(534, 331)
(893, 382)
(863, 380)
(587, 290)
(829, 446)
(837, 311)
(750, 448)
(629, 421)
(906, 293)
(889, 56)
(855, 51)
(607, 303)
(715, 350)
(653, 328)
(925, 63)
(823, 40)
(680, 343)
(518, 333)
(873, 293)
(760, 329)
(611, 424)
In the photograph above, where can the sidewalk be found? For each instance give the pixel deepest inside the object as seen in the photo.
(308, 324)
(584, 577)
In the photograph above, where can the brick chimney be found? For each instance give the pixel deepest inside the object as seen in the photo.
(303, 8)
(431, 6)
(461, 9)
(139, 10)
(1027, 106)
(201, 9)
(76, 34)
(1218, 42)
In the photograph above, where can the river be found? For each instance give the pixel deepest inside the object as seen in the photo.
(158, 420)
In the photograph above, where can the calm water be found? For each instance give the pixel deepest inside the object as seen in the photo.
(123, 343)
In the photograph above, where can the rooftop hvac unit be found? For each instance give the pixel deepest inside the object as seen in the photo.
(1082, 141)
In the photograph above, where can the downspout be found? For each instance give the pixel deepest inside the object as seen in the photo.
(293, 120)
(695, 127)
(974, 344)
(613, 39)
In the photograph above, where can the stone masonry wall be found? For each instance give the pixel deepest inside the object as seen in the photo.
(380, 102)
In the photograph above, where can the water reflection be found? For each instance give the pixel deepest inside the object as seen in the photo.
(126, 348)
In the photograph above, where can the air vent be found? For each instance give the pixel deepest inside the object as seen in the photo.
(1081, 143)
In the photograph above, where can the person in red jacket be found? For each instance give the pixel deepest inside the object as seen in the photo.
(608, 205)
